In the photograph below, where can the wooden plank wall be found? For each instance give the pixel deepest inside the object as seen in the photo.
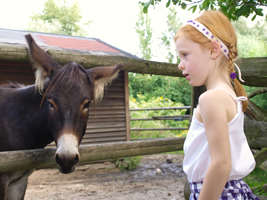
(107, 123)
(16, 72)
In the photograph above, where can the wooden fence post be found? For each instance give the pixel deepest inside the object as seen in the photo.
(195, 93)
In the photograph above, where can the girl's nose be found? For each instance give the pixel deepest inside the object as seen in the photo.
(181, 66)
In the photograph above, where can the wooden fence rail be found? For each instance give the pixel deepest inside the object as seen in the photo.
(253, 69)
(164, 108)
(158, 129)
(176, 118)
(43, 158)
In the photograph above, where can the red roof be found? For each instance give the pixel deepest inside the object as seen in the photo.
(78, 44)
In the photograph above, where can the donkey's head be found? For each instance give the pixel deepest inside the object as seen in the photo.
(67, 92)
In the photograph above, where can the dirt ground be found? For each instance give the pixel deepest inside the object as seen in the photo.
(105, 181)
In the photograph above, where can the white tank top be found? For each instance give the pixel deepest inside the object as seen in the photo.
(197, 156)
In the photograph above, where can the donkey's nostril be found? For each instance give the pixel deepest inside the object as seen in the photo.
(65, 163)
(58, 160)
(76, 159)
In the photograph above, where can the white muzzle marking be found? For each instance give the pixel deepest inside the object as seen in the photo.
(67, 146)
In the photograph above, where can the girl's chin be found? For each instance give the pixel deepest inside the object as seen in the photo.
(195, 84)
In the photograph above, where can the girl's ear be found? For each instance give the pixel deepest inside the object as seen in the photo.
(215, 50)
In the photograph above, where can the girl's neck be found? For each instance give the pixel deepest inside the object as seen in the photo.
(219, 76)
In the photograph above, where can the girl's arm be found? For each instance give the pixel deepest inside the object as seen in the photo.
(213, 107)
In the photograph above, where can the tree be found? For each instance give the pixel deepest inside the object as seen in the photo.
(173, 22)
(60, 19)
(143, 28)
(251, 41)
(233, 9)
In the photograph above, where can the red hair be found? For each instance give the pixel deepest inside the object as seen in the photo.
(221, 28)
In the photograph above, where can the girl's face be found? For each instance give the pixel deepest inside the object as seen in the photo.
(195, 61)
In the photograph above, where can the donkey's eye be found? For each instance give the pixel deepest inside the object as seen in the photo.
(86, 105)
(51, 106)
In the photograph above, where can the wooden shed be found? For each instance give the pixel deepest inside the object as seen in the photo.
(110, 121)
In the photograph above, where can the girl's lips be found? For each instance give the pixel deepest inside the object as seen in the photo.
(186, 76)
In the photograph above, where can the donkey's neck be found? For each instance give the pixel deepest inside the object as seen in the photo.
(24, 124)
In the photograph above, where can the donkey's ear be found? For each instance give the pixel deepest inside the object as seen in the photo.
(42, 61)
(102, 77)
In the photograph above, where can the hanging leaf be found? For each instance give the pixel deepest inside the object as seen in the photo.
(145, 7)
(254, 17)
(259, 11)
(175, 1)
(183, 5)
(168, 3)
(243, 11)
(193, 8)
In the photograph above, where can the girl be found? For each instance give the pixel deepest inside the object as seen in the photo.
(217, 155)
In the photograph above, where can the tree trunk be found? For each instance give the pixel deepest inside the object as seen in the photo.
(260, 113)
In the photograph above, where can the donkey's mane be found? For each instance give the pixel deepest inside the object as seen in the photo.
(71, 71)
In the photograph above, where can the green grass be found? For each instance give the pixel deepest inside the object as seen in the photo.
(255, 180)
(174, 152)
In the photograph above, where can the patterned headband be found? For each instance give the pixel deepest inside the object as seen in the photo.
(207, 33)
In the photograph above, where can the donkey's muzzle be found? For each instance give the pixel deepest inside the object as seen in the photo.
(67, 154)
(67, 165)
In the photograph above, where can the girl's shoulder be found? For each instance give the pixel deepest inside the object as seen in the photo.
(219, 93)
(215, 96)
(216, 102)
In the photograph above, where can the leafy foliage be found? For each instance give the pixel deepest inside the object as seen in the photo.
(128, 163)
(59, 19)
(233, 9)
(173, 88)
(251, 40)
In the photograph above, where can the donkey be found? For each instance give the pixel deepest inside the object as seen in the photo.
(56, 109)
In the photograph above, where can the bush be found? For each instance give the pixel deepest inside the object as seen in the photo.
(174, 88)
(128, 163)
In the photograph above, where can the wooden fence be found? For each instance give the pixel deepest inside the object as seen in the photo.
(176, 118)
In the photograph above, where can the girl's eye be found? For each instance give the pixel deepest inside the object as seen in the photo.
(184, 54)
(86, 105)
